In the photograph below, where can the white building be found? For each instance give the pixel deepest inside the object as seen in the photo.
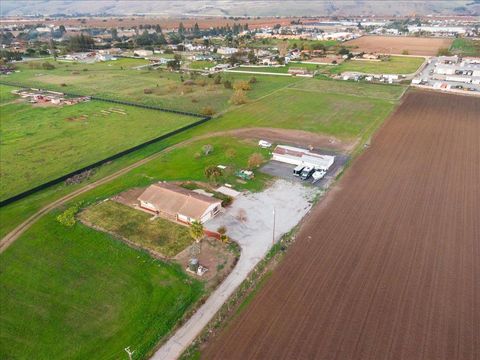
(297, 156)
(226, 50)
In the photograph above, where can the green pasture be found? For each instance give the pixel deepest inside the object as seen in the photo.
(41, 143)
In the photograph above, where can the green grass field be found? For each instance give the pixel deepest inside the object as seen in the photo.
(394, 65)
(292, 43)
(466, 47)
(75, 293)
(41, 143)
(201, 65)
(318, 106)
(281, 69)
(160, 235)
(121, 81)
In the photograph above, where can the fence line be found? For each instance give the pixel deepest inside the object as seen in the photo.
(120, 154)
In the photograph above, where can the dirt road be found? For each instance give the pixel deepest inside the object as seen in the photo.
(389, 266)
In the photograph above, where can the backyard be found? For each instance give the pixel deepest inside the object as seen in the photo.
(160, 235)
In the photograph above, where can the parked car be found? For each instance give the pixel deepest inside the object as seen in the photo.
(307, 172)
(264, 144)
(298, 170)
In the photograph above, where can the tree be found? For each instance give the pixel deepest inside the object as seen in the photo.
(255, 160)
(213, 173)
(207, 149)
(241, 85)
(67, 218)
(114, 33)
(181, 28)
(81, 43)
(175, 63)
(238, 97)
(196, 30)
(196, 231)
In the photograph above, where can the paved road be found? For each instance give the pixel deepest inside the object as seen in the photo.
(291, 202)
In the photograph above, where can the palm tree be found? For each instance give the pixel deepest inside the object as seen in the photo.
(196, 231)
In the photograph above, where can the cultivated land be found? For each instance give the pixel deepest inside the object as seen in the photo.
(118, 80)
(387, 267)
(399, 45)
(75, 293)
(41, 143)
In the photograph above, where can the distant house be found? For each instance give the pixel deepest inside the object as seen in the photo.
(177, 203)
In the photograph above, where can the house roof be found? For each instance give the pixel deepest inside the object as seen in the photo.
(174, 200)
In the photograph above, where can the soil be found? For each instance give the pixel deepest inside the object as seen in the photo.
(399, 44)
(295, 137)
(388, 268)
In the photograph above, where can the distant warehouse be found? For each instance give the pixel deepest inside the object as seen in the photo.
(298, 156)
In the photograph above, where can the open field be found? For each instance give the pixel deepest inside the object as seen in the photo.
(41, 143)
(387, 266)
(394, 65)
(399, 45)
(466, 47)
(301, 44)
(75, 293)
(160, 235)
(118, 80)
(281, 69)
(318, 106)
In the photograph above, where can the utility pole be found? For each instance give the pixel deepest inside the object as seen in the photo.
(129, 352)
(273, 231)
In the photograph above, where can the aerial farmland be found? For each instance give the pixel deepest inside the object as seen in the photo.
(238, 187)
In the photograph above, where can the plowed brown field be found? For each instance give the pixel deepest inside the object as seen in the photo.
(399, 44)
(388, 265)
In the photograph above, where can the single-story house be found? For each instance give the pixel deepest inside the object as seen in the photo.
(297, 156)
(177, 203)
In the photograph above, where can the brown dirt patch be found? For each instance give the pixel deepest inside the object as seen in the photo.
(295, 137)
(398, 44)
(389, 268)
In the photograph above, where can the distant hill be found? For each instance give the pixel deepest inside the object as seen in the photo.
(240, 7)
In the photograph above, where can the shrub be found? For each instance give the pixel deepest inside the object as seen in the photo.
(67, 218)
(63, 84)
(207, 111)
(189, 83)
(253, 80)
(227, 84)
(207, 149)
(241, 85)
(147, 91)
(202, 82)
(48, 66)
(230, 153)
(212, 172)
(218, 79)
(238, 98)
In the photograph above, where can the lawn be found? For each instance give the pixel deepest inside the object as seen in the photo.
(41, 143)
(159, 235)
(147, 86)
(75, 293)
(466, 47)
(394, 65)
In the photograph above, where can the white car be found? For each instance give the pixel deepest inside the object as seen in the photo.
(264, 144)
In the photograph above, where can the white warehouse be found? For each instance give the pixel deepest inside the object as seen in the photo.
(298, 156)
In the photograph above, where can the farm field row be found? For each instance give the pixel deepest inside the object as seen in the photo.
(41, 143)
(125, 297)
(387, 268)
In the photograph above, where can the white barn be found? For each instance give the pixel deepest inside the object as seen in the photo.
(297, 156)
